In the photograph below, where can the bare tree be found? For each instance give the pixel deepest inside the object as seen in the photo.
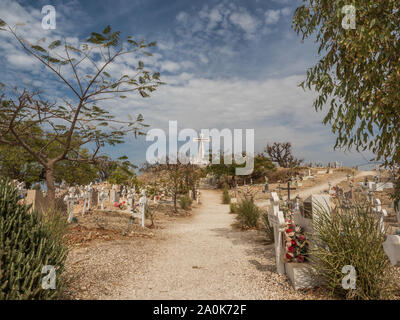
(281, 152)
(77, 119)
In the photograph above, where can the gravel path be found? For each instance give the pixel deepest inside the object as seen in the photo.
(205, 258)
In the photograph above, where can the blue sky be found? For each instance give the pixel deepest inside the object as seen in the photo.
(227, 64)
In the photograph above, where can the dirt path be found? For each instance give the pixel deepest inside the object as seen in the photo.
(205, 258)
(201, 257)
(320, 187)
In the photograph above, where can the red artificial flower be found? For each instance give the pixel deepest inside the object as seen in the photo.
(293, 242)
(288, 256)
(300, 258)
(289, 230)
(301, 237)
(291, 249)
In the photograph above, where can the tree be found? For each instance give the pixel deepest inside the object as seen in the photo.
(120, 171)
(281, 152)
(175, 176)
(16, 163)
(358, 74)
(262, 166)
(80, 114)
(73, 172)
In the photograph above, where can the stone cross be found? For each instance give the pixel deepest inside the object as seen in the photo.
(129, 198)
(85, 196)
(70, 199)
(277, 221)
(200, 153)
(103, 195)
(142, 205)
(380, 213)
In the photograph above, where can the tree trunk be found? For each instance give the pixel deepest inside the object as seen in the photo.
(194, 192)
(175, 209)
(51, 189)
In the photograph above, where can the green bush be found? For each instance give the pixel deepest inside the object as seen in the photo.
(266, 227)
(248, 214)
(27, 243)
(351, 237)
(185, 202)
(226, 199)
(233, 208)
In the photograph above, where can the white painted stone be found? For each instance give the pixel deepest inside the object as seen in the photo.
(392, 248)
(301, 275)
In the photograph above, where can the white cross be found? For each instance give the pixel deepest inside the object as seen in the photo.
(200, 153)
(277, 220)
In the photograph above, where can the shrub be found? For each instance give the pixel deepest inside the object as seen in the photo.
(233, 208)
(185, 202)
(248, 214)
(27, 243)
(351, 237)
(268, 230)
(226, 199)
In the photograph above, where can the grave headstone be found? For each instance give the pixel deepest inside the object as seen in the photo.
(392, 248)
(70, 200)
(277, 221)
(142, 205)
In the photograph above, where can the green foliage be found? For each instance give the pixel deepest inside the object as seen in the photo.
(262, 167)
(185, 202)
(266, 227)
(16, 163)
(80, 117)
(351, 237)
(358, 73)
(72, 172)
(27, 243)
(248, 214)
(226, 199)
(233, 208)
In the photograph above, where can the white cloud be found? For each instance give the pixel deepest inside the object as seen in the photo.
(170, 66)
(245, 21)
(272, 16)
(21, 60)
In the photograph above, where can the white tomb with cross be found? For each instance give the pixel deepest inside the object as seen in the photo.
(70, 199)
(200, 154)
(103, 195)
(142, 205)
(277, 221)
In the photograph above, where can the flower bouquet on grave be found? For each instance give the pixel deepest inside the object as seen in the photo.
(296, 243)
(122, 205)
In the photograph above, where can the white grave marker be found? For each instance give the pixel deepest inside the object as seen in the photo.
(277, 221)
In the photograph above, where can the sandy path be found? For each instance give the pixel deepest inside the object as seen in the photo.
(204, 258)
